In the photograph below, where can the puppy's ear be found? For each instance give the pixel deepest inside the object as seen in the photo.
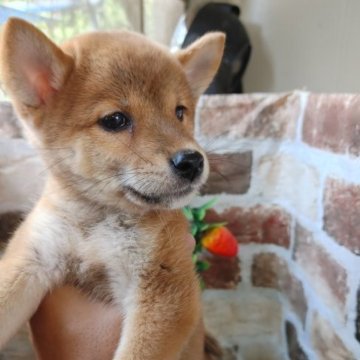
(32, 67)
(201, 60)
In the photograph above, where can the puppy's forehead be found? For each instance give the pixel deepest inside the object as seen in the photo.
(127, 62)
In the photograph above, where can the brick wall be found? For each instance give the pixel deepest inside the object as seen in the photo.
(289, 188)
(286, 170)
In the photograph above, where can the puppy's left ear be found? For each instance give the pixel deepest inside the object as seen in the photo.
(201, 61)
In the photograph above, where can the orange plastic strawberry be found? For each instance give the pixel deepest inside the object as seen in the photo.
(220, 241)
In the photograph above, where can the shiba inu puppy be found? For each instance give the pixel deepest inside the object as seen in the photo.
(111, 114)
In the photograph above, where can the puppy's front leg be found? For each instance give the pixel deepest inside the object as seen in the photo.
(22, 286)
(161, 315)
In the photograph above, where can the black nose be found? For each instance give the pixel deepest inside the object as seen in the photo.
(188, 164)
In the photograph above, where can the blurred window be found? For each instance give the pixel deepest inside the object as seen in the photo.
(62, 19)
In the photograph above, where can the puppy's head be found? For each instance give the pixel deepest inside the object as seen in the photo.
(112, 112)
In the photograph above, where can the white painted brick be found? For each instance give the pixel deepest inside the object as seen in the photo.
(281, 177)
(21, 184)
(250, 320)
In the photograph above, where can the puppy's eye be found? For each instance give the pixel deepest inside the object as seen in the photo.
(115, 122)
(179, 111)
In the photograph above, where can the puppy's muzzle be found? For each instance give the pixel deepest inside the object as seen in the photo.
(187, 164)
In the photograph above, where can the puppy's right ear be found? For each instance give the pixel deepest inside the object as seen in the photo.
(32, 67)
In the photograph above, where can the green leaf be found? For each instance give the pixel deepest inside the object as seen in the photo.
(202, 266)
(188, 213)
(204, 227)
(209, 204)
(194, 229)
(198, 248)
(200, 212)
(216, 225)
(202, 283)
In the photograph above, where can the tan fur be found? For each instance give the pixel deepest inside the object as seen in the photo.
(88, 229)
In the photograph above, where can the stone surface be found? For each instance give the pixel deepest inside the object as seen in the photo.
(281, 177)
(357, 320)
(229, 173)
(332, 122)
(224, 272)
(22, 173)
(295, 350)
(250, 116)
(19, 348)
(259, 224)
(9, 124)
(327, 343)
(271, 271)
(13, 151)
(342, 213)
(249, 320)
(21, 184)
(230, 354)
(324, 274)
(8, 224)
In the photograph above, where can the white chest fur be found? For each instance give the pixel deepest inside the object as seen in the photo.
(102, 254)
